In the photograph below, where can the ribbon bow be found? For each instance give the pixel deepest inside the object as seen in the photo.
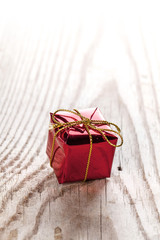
(88, 124)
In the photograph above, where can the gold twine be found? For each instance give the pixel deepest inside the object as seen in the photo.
(88, 124)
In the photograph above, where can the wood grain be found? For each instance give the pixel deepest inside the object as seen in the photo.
(54, 55)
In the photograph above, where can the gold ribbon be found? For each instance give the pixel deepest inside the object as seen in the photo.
(88, 124)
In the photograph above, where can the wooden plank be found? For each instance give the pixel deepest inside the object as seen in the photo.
(79, 56)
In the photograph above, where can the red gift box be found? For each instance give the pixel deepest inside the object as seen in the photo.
(69, 156)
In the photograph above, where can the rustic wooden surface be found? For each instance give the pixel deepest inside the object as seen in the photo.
(79, 54)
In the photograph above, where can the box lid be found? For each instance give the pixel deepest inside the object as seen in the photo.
(77, 135)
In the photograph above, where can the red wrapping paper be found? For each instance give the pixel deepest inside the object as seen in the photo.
(71, 149)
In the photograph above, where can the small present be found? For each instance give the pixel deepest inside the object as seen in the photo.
(81, 145)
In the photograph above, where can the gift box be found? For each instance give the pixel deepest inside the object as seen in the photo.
(76, 139)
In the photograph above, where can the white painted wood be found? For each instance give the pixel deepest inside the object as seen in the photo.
(60, 54)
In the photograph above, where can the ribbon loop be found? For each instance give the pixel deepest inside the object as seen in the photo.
(88, 124)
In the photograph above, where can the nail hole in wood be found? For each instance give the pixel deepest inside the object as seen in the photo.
(119, 168)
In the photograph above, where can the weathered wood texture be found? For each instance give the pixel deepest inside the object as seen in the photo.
(86, 54)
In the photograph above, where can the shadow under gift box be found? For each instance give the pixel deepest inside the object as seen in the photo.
(71, 149)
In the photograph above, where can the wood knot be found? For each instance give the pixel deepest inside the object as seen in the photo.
(57, 233)
(57, 230)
